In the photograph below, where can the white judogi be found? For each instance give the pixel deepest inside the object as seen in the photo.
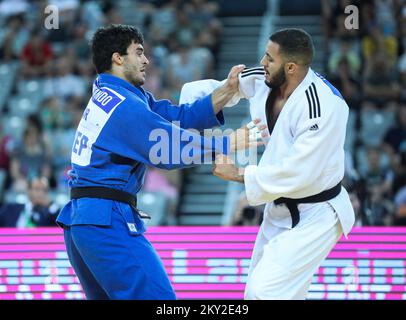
(303, 157)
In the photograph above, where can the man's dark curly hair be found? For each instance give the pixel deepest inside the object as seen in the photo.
(110, 39)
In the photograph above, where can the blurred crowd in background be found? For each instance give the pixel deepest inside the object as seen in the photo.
(368, 66)
(46, 77)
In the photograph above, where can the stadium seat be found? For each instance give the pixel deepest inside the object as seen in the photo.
(30, 87)
(13, 126)
(24, 105)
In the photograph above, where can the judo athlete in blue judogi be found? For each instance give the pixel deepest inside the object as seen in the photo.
(103, 230)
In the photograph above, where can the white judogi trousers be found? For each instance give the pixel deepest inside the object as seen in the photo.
(284, 260)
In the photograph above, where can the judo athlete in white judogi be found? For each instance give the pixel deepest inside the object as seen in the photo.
(299, 175)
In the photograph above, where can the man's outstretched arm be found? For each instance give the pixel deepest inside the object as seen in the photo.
(223, 94)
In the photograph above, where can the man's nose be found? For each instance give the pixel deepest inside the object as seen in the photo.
(263, 61)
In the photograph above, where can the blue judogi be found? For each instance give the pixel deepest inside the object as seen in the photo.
(122, 130)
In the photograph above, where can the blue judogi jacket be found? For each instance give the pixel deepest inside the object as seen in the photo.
(122, 130)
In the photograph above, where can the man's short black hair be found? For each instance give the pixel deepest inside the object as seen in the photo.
(295, 45)
(110, 39)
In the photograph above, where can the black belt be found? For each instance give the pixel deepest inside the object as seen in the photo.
(107, 193)
(320, 197)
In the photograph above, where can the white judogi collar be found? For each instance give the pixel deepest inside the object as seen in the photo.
(258, 100)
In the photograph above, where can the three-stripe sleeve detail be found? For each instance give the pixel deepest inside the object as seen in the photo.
(313, 101)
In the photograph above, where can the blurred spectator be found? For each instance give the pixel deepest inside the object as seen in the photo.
(402, 72)
(326, 13)
(52, 115)
(360, 219)
(375, 174)
(209, 43)
(346, 83)
(64, 82)
(351, 175)
(394, 138)
(201, 13)
(205, 57)
(163, 21)
(378, 42)
(154, 82)
(182, 67)
(345, 53)
(207, 27)
(367, 14)
(60, 115)
(400, 168)
(16, 36)
(184, 32)
(111, 13)
(385, 15)
(397, 133)
(31, 158)
(38, 211)
(246, 215)
(380, 80)
(378, 181)
(80, 42)
(400, 202)
(92, 14)
(6, 148)
(36, 56)
(402, 21)
(62, 142)
(73, 110)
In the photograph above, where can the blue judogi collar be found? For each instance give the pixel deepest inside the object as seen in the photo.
(109, 79)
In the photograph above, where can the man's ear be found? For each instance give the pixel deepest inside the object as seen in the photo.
(117, 58)
(290, 67)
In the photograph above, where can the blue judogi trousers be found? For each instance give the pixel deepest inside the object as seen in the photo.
(113, 263)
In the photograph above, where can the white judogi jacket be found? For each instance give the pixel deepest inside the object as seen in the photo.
(305, 152)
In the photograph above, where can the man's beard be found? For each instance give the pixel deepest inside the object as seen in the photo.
(129, 75)
(278, 79)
